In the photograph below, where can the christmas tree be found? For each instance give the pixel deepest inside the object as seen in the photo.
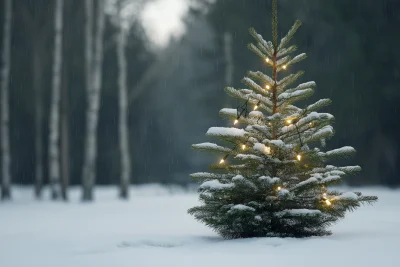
(273, 177)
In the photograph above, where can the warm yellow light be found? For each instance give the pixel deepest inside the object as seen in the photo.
(267, 86)
(328, 202)
(279, 188)
(298, 157)
(289, 121)
(324, 194)
(267, 150)
(243, 147)
(284, 67)
(267, 59)
(310, 124)
(235, 122)
(255, 107)
(269, 123)
(222, 161)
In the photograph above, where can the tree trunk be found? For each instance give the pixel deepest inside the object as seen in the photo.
(64, 139)
(123, 113)
(54, 131)
(5, 77)
(93, 102)
(37, 84)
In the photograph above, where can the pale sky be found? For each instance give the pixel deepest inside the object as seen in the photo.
(163, 19)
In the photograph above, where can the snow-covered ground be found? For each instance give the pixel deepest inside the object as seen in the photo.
(153, 229)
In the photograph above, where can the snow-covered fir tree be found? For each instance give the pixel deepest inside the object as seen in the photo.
(273, 177)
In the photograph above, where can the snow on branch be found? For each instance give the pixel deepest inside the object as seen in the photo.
(339, 153)
(249, 157)
(211, 147)
(298, 212)
(253, 85)
(288, 80)
(285, 40)
(319, 104)
(261, 76)
(241, 207)
(295, 96)
(225, 131)
(347, 196)
(266, 45)
(215, 185)
(286, 51)
(208, 175)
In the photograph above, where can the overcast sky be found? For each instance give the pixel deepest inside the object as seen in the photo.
(163, 19)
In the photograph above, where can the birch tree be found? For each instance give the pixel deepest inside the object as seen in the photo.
(94, 75)
(5, 77)
(54, 131)
(125, 158)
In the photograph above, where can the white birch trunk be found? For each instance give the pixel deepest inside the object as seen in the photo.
(5, 77)
(54, 131)
(123, 112)
(93, 102)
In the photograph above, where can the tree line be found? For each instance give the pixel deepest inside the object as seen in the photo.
(173, 94)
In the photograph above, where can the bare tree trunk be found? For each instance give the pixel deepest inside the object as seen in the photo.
(92, 113)
(123, 112)
(54, 131)
(5, 77)
(64, 141)
(37, 85)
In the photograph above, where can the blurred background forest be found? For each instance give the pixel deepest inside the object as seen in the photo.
(175, 88)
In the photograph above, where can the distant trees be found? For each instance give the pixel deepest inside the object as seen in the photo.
(5, 117)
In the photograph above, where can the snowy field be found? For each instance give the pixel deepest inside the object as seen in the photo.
(153, 229)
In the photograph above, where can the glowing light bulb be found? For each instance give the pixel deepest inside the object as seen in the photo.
(328, 203)
(279, 188)
(310, 124)
(222, 161)
(235, 122)
(255, 107)
(284, 67)
(298, 157)
(267, 150)
(267, 60)
(289, 121)
(267, 86)
(243, 147)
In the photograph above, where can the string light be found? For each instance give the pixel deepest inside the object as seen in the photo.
(310, 124)
(289, 121)
(236, 121)
(267, 60)
(328, 203)
(223, 159)
(298, 157)
(267, 150)
(256, 106)
(243, 147)
(284, 67)
(268, 87)
(279, 188)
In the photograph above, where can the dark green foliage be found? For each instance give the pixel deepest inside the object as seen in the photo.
(274, 176)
